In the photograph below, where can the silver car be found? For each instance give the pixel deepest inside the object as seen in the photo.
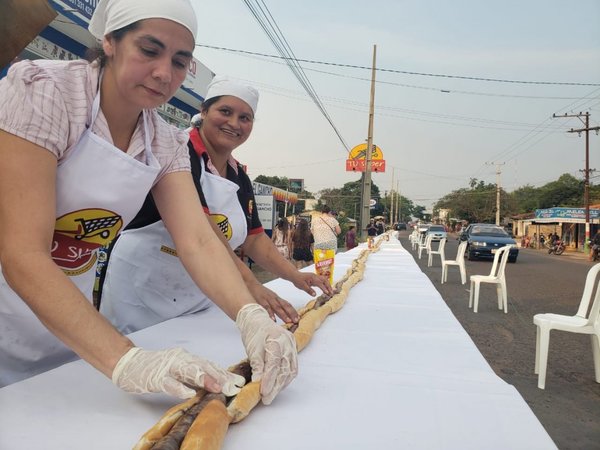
(437, 232)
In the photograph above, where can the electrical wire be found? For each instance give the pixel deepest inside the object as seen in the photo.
(412, 86)
(267, 22)
(406, 72)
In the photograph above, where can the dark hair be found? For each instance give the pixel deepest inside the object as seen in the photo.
(208, 103)
(302, 234)
(326, 209)
(97, 52)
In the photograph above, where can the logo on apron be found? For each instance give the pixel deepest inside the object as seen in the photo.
(223, 224)
(77, 236)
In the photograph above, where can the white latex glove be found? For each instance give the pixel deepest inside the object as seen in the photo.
(271, 350)
(173, 371)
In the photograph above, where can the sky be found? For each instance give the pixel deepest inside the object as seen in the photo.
(436, 132)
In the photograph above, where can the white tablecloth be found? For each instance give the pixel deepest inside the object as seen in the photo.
(393, 369)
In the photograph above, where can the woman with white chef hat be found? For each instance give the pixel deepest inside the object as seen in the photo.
(145, 282)
(81, 145)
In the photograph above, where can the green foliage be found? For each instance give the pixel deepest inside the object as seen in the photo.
(477, 203)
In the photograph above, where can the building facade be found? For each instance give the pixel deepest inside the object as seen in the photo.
(67, 38)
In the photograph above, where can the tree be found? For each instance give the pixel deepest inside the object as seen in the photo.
(406, 206)
(526, 199)
(474, 204)
(566, 191)
(348, 199)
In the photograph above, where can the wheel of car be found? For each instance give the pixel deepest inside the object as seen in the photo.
(470, 256)
(512, 260)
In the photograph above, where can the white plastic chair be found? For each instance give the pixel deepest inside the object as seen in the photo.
(439, 251)
(424, 244)
(496, 277)
(458, 262)
(414, 239)
(579, 323)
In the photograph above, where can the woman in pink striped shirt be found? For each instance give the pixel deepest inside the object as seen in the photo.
(81, 145)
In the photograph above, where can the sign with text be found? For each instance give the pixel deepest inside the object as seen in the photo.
(357, 161)
(265, 205)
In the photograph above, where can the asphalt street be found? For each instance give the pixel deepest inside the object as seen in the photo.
(569, 406)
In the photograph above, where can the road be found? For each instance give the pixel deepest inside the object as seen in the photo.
(569, 407)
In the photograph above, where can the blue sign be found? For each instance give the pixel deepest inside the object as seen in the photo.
(85, 7)
(565, 213)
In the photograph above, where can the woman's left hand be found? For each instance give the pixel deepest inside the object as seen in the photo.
(273, 303)
(305, 281)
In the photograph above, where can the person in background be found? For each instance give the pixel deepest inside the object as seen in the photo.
(302, 243)
(595, 246)
(351, 238)
(81, 145)
(380, 227)
(325, 229)
(371, 229)
(281, 237)
(144, 277)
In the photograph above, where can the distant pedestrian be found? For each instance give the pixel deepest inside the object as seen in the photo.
(371, 228)
(325, 229)
(351, 238)
(302, 242)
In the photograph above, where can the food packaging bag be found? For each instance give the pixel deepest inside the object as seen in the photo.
(324, 260)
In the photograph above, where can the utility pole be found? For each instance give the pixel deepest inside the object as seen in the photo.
(498, 172)
(586, 183)
(366, 186)
(398, 203)
(392, 199)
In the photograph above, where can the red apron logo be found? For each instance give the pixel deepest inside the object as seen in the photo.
(77, 236)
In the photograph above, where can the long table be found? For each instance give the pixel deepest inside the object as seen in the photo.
(393, 369)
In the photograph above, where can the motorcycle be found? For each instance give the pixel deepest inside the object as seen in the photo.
(558, 248)
(595, 252)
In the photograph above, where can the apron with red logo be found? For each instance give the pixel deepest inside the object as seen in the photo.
(99, 189)
(136, 296)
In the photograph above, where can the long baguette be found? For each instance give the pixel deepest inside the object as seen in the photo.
(165, 423)
(209, 428)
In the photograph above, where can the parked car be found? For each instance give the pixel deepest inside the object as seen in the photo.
(437, 232)
(400, 226)
(422, 227)
(484, 239)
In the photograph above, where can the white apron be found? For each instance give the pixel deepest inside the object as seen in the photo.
(99, 189)
(146, 283)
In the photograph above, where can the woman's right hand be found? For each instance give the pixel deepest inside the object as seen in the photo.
(173, 371)
(271, 350)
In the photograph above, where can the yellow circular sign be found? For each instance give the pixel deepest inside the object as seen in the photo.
(360, 152)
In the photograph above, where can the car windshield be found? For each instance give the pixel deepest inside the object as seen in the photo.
(436, 228)
(488, 231)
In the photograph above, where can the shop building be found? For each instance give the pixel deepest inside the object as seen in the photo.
(568, 223)
(67, 38)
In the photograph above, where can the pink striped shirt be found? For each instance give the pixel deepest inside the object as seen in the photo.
(49, 103)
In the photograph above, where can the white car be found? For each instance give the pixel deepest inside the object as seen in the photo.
(437, 232)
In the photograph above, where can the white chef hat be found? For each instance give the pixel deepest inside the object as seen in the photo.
(111, 15)
(221, 85)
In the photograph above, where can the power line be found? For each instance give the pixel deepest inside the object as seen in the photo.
(267, 22)
(405, 72)
(412, 86)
